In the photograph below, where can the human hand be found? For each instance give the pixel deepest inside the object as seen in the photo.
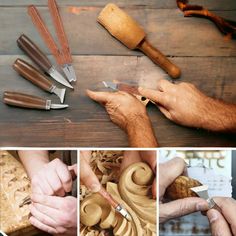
(149, 157)
(184, 104)
(129, 114)
(54, 215)
(87, 176)
(224, 223)
(53, 178)
(123, 108)
(168, 172)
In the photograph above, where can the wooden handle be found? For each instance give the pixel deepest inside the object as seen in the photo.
(53, 8)
(160, 59)
(32, 74)
(32, 50)
(45, 34)
(24, 100)
(128, 88)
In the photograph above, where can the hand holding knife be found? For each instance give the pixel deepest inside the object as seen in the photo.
(36, 77)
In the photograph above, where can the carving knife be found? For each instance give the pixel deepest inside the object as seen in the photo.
(63, 57)
(29, 101)
(34, 52)
(122, 87)
(202, 192)
(57, 21)
(36, 77)
(118, 207)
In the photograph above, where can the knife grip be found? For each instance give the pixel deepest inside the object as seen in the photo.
(24, 100)
(32, 74)
(128, 88)
(160, 59)
(32, 50)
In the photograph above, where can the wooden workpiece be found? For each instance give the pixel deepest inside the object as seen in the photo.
(205, 57)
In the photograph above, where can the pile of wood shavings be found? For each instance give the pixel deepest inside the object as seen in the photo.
(106, 165)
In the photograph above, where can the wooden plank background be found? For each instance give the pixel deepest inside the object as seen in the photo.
(205, 57)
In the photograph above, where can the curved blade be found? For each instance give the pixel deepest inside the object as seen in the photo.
(59, 106)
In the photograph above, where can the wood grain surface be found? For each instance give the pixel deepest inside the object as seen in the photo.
(194, 44)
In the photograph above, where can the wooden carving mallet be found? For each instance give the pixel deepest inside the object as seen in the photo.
(131, 34)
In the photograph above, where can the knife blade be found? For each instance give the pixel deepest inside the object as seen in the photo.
(29, 101)
(202, 192)
(37, 56)
(122, 87)
(36, 77)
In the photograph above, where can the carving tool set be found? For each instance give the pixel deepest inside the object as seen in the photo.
(29, 72)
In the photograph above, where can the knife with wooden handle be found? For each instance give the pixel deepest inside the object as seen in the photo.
(36, 77)
(29, 101)
(37, 56)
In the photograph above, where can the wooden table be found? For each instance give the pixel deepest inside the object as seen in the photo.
(205, 57)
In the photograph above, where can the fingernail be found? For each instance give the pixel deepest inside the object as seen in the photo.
(202, 206)
(212, 216)
(95, 187)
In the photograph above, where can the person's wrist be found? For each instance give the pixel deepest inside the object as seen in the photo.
(135, 119)
(218, 116)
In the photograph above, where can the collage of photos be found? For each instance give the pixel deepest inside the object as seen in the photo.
(118, 118)
(118, 193)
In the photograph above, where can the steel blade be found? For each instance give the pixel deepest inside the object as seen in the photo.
(59, 106)
(59, 78)
(109, 84)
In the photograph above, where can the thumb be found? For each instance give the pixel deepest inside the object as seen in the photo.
(101, 97)
(88, 177)
(219, 225)
(182, 207)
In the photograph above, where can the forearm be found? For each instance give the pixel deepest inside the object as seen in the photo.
(140, 132)
(220, 117)
(33, 160)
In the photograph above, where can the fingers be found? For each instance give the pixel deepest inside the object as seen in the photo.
(182, 207)
(43, 214)
(35, 222)
(150, 158)
(101, 97)
(50, 201)
(165, 112)
(86, 155)
(130, 157)
(153, 95)
(169, 171)
(219, 226)
(164, 85)
(228, 208)
(88, 177)
(64, 175)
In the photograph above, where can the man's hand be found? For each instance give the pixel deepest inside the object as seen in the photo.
(224, 223)
(129, 114)
(54, 215)
(53, 178)
(184, 104)
(168, 172)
